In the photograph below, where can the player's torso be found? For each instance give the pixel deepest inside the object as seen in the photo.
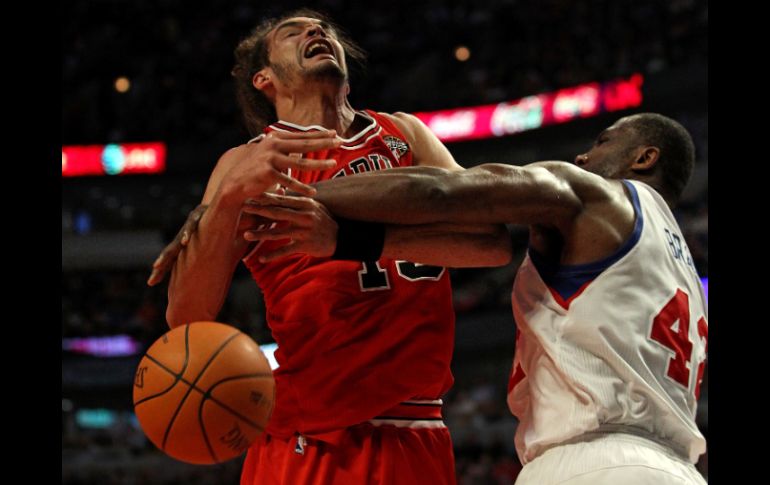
(356, 337)
(617, 343)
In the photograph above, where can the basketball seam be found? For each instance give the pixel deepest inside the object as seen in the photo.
(207, 396)
(190, 384)
(177, 377)
(206, 366)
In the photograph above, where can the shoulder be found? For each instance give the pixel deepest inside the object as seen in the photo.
(427, 148)
(409, 124)
(226, 162)
(231, 157)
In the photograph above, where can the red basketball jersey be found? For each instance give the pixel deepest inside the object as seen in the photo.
(354, 339)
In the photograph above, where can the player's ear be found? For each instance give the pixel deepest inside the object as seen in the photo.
(646, 157)
(262, 80)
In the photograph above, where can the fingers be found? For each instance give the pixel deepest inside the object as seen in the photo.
(301, 218)
(162, 265)
(288, 135)
(303, 143)
(191, 224)
(293, 184)
(297, 143)
(156, 276)
(164, 262)
(274, 234)
(283, 162)
(279, 200)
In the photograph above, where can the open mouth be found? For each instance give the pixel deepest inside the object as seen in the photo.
(318, 47)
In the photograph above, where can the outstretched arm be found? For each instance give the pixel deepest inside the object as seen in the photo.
(593, 215)
(454, 245)
(310, 229)
(545, 193)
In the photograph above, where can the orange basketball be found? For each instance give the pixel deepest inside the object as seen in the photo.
(204, 392)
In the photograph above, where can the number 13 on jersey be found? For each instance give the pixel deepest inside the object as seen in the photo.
(374, 277)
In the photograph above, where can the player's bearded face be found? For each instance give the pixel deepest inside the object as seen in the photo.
(304, 48)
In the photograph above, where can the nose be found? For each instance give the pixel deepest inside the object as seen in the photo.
(581, 159)
(316, 29)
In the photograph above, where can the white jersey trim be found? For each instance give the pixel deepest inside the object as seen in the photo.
(352, 139)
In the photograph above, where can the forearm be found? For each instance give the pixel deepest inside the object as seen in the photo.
(450, 245)
(396, 196)
(486, 194)
(203, 272)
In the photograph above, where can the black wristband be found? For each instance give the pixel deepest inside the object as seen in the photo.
(358, 240)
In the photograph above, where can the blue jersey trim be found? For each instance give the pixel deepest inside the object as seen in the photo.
(566, 280)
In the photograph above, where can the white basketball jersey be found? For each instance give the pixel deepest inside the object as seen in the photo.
(615, 345)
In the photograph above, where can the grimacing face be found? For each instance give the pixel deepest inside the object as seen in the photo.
(306, 47)
(612, 152)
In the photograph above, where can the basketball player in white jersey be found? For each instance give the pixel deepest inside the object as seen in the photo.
(611, 315)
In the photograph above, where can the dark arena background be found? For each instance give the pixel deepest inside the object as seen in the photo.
(515, 82)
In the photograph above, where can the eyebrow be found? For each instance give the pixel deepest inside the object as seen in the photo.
(298, 23)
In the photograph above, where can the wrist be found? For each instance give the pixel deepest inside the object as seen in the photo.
(358, 240)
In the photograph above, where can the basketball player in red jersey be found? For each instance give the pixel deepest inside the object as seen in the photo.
(363, 348)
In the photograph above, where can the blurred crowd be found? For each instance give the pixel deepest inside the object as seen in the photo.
(178, 58)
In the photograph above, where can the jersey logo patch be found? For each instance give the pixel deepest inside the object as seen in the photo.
(299, 448)
(396, 145)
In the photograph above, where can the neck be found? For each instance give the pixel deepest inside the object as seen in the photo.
(655, 182)
(324, 105)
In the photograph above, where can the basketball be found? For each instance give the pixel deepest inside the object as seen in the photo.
(203, 392)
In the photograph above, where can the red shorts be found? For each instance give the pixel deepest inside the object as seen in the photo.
(382, 452)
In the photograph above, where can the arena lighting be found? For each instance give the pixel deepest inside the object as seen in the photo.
(122, 84)
(126, 158)
(532, 112)
(111, 346)
(462, 53)
(98, 418)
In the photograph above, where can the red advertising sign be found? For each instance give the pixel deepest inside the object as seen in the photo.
(127, 158)
(534, 112)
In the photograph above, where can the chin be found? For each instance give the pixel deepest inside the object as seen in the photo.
(327, 71)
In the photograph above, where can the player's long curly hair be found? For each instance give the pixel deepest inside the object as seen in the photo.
(252, 54)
